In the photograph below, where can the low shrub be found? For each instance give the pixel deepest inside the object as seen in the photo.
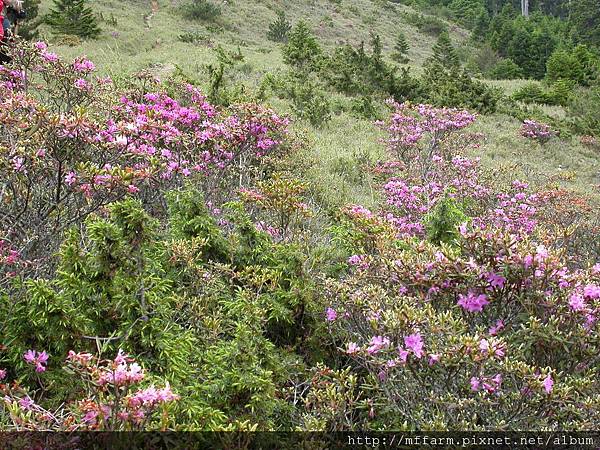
(203, 10)
(539, 132)
(506, 69)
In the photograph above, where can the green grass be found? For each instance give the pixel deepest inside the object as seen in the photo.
(336, 151)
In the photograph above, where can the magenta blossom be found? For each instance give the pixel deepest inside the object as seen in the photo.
(39, 360)
(496, 328)
(352, 348)
(330, 314)
(414, 342)
(576, 302)
(548, 384)
(377, 343)
(472, 302)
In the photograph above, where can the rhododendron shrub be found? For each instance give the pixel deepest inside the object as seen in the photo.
(415, 132)
(72, 143)
(111, 396)
(536, 131)
(495, 333)
(487, 329)
(573, 224)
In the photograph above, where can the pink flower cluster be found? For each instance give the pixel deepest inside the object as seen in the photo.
(487, 384)
(118, 399)
(37, 359)
(122, 372)
(472, 302)
(8, 255)
(537, 131)
(147, 136)
(410, 124)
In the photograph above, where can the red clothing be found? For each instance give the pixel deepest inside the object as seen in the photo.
(1, 19)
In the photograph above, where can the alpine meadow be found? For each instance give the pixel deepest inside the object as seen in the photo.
(300, 215)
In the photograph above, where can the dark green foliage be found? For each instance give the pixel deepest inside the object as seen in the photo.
(309, 101)
(192, 37)
(527, 42)
(455, 88)
(363, 107)
(468, 12)
(224, 318)
(201, 10)
(190, 219)
(560, 93)
(223, 88)
(302, 50)
(73, 17)
(506, 69)
(400, 54)
(442, 222)
(352, 71)
(585, 111)
(480, 27)
(280, 28)
(579, 65)
(404, 87)
(584, 20)
(444, 53)
(426, 24)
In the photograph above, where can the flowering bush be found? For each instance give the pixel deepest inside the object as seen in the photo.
(487, 329)
(460, 302)
(498, 326)
(537, 131)
(415, 132)
(111, 397)
(72, 143)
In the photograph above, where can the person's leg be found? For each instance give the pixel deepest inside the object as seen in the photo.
(6, 26)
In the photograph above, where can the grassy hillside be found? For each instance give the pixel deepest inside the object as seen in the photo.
(146, 35)
(233, 234)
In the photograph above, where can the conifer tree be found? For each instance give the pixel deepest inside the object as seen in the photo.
(401, 49)
(279, 29)
(444, 53)
(73, 17)
(376, 50)
(302, 49)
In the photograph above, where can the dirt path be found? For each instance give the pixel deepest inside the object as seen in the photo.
(153, 10)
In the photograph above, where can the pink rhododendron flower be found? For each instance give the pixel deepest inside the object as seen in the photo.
(414, 342)
(70, 178)
(496, 328)
(576, 302)
(403, 354)
(352, 348)
(433, 358)
(39, 360)
(359, 261)
(591, 291)
(472, 302)
(377, 343)
(495, 280)
(330, 314)
(26, 403)
(81, 84)
(548, 384)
